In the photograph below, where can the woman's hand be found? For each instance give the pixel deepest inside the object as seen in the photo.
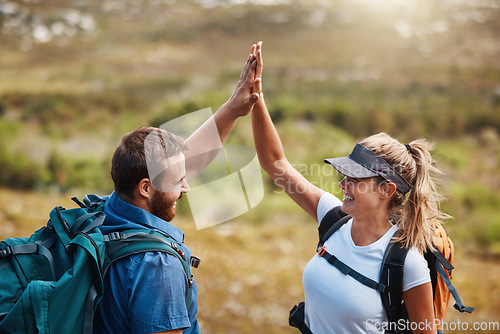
(257, 87)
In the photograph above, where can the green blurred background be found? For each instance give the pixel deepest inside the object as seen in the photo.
(76, 75)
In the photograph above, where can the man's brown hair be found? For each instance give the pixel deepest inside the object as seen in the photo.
(129, 165)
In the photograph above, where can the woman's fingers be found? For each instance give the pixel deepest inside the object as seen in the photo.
(257, 86)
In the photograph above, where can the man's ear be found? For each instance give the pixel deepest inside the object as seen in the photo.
(144, 188)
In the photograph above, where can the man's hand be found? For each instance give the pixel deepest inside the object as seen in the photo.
(247, 90)
(203, 145)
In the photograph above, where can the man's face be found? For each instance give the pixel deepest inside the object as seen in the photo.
(169, 187)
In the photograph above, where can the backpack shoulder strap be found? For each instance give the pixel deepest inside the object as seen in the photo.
(330, 223)
(391, 275)
(129, 242)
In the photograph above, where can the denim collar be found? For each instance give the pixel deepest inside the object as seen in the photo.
(121, 215)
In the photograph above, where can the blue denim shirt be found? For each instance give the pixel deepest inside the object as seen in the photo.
(146, 292)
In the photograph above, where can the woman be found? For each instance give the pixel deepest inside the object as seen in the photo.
(382, 177)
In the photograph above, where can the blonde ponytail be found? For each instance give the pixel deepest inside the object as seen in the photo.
(418, 211)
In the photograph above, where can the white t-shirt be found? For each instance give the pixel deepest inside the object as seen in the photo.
(337, 303)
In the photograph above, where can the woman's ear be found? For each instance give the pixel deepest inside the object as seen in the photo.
(387, 189)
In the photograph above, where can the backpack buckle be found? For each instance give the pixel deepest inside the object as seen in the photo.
(6, 252)
(322, 251)
(178, 250)
(181, 253)
(113, 236)
(195, 262)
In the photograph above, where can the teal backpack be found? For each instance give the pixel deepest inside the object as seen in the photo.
(52, 281)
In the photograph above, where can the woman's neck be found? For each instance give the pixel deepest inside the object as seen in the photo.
(365, 231)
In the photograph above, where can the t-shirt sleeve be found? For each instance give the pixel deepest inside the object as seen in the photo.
(326, 202)
(157, 293)
(415, 271)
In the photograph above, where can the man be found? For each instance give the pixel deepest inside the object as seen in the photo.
(146, 292)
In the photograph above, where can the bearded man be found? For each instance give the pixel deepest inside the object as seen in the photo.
(146, 292)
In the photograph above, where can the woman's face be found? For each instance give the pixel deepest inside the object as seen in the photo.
(362, 196)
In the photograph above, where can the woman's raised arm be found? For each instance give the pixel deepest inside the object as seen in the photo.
(272, 157)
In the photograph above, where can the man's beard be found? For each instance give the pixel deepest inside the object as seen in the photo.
(161, 207)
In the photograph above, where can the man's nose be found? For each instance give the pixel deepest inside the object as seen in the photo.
(185, 187)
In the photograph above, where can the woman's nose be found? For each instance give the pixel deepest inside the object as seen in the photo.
(342, 183)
